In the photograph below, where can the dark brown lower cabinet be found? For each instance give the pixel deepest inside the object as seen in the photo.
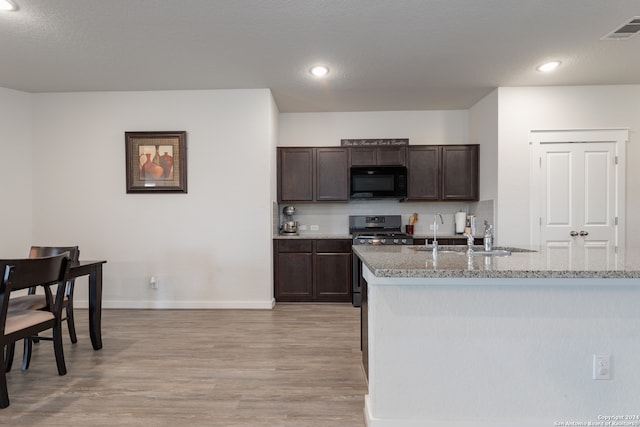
(312, 270)
(449, 241)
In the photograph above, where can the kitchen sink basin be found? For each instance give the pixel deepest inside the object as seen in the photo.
(477, 250)
(494, 252)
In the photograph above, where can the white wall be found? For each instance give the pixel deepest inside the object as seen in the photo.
(15, 173)
(327, 129)
(208, 248)
(523, 109)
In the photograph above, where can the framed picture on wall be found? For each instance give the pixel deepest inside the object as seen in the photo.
(156, 162)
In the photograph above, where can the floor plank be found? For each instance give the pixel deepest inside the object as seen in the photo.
(297, 365)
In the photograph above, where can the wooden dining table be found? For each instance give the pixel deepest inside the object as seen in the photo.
(93, 269)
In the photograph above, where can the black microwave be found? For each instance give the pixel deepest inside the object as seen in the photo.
(378, 182)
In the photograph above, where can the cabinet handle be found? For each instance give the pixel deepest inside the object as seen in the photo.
(573, 233)
(584, 233)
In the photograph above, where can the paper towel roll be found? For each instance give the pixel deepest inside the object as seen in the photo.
(461, 221)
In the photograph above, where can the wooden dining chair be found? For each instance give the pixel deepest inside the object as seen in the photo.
(38, 301)
(20, 324)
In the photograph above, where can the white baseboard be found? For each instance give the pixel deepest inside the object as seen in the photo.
(186, 305)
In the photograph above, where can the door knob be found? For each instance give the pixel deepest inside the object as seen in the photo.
(584, 233)
(573, 233)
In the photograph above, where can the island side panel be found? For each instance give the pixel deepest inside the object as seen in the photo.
(499, 355)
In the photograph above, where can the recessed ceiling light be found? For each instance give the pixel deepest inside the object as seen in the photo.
(549, 66)
(8, 5)
(319, 71)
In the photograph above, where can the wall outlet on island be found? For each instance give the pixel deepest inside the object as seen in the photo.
(302, 227)
(315, 227)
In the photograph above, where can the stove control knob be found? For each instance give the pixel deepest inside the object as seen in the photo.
(404, 241)
(395, 241)
(362, 241)
(383, 241)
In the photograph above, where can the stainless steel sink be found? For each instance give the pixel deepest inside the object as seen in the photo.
(477, 250)
(494, 252)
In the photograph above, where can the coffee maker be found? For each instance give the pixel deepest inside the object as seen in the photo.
(289, 226)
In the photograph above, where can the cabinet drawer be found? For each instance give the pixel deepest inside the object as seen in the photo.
(333, 246)
(295, 245)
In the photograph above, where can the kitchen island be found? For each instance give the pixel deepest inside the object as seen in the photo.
(457, 340)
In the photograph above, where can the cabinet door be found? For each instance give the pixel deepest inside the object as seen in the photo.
(333, 270)
(423, 172)
(294, 281)
(332, 277)
(363, 156)
(295, 174)
(391, 156)
(332, 174)
(379, 156)
(460, 172)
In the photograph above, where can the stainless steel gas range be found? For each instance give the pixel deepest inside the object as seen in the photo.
(374, 230)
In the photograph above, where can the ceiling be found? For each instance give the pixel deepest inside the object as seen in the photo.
(383, 54)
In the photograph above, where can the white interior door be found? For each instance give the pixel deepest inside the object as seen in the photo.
(578, 201)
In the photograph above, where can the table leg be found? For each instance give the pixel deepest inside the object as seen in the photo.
(95, 307)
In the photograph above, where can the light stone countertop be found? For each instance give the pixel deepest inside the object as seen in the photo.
(407, 262)
(312, 236)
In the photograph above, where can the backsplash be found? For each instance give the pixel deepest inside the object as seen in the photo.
(333, 218)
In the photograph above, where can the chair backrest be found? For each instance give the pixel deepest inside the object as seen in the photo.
(27, 273)
(45, 251)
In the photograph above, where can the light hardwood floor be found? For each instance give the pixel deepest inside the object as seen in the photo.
(297, 365)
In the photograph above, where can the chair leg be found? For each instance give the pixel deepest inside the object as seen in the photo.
(71, 323)
(4, 393)
(10, 350)
(26, 354)
(58, 350)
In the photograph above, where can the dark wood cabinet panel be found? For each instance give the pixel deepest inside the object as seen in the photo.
(294, 272)
(312, 270)
(313, 174)
(365, 156)
(332, 174)
(295, 174)
(332, 277)
(423, 172)
(443, 172)
(379, 156)
(460, 172)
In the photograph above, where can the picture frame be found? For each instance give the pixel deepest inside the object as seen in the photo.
(156, 162)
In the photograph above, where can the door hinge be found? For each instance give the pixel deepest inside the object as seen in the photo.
(615, 160)
(540, 221)
(540, 162)
(615, 221)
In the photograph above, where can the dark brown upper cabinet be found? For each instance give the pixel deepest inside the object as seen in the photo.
(460, 168)
(309, 174)
(443, 172)
(423, 172)
(379, 156)
(332, 174)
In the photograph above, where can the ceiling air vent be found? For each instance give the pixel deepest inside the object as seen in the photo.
(626, 31)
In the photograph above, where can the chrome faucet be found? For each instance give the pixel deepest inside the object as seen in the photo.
(469, 237)
(488, 236)
(434, 245)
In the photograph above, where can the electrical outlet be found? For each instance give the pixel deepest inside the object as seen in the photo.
(431, 226)
(153, 282)
(302, 227)
(601, 366)
(315, 227)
